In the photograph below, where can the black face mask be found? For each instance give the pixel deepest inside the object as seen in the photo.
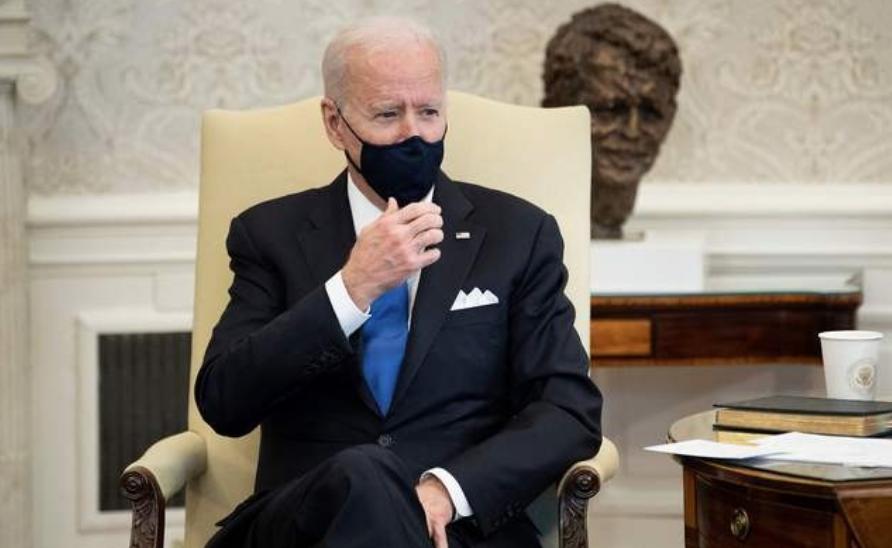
(405, 170)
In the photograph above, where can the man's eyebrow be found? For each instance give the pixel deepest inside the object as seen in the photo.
(654, 95)
(605, 101)
(386, 105)
(603, 95)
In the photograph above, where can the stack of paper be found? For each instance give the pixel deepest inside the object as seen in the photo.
(868, 452)
(798, 447)
(711, 450)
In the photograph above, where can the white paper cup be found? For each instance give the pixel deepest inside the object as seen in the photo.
(850, 363)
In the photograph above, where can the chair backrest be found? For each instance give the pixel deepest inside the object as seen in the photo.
(542, 155)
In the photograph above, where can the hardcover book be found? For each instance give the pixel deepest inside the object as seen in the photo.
(809, 415)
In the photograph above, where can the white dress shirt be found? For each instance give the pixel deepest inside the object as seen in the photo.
(351, 318)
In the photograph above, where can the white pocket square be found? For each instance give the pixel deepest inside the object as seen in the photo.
(474, 299)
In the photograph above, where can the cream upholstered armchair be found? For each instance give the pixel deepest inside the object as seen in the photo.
(250, 156)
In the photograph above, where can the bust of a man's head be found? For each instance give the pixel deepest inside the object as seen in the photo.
(625, 68)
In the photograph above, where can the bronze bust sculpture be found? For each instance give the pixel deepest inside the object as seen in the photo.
(626, 69)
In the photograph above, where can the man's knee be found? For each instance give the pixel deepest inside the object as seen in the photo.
(352, 472)
(363, 458)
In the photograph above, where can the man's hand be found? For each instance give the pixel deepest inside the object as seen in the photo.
(437, 508)
(390, 249)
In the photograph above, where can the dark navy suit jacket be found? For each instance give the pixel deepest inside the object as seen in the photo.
(498, 395)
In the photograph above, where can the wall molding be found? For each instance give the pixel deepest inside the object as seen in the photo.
(85, 210)
(750, 228)
(813, 230)
(34, 75)
(867, 201)
(113, 229)
(764, 199)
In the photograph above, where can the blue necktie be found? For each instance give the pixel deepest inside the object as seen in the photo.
(384, 338)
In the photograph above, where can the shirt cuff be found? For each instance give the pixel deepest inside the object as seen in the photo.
(349, 315)
(459, 502)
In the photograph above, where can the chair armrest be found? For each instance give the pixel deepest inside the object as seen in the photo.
(173, 461)
(580, 483)
(159, 474)
(604, 466)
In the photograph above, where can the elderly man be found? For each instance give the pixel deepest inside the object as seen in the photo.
(402, 339)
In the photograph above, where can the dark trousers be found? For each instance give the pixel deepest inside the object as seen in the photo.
(362, 497)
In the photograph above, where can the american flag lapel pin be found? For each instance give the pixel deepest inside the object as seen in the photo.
(462, 235)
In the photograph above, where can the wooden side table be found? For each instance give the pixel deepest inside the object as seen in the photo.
(718, 327)
(780, 504)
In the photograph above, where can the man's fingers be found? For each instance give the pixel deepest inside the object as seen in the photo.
(428, 238)
(415, 210)
(429, 257)
(425, 222)
(439, 536)
(392, 206)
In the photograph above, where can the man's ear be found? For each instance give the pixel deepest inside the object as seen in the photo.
(332, 122)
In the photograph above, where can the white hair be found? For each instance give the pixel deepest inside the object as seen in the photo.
(373, 34)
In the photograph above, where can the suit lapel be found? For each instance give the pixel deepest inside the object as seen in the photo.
(327, 239)
(440, 282)
(326, 242)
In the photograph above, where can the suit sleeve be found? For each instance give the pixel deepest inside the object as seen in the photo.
(261, 351)
(557, 408)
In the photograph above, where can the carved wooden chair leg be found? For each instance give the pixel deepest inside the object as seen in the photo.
(141, 488)
(582, 485)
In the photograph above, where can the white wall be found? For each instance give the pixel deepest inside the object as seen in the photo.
(781, 154)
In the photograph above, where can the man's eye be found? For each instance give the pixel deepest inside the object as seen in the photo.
(650, 112)
(386, 115)
(609, 110)
(431, 112)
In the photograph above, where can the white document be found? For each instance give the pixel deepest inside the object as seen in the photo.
(795, 446)
(712, 449)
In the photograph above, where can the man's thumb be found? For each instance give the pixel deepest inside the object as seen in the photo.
(391, 205)
(440, 538)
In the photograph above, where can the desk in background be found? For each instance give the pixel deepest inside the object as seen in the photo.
(721, 327)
